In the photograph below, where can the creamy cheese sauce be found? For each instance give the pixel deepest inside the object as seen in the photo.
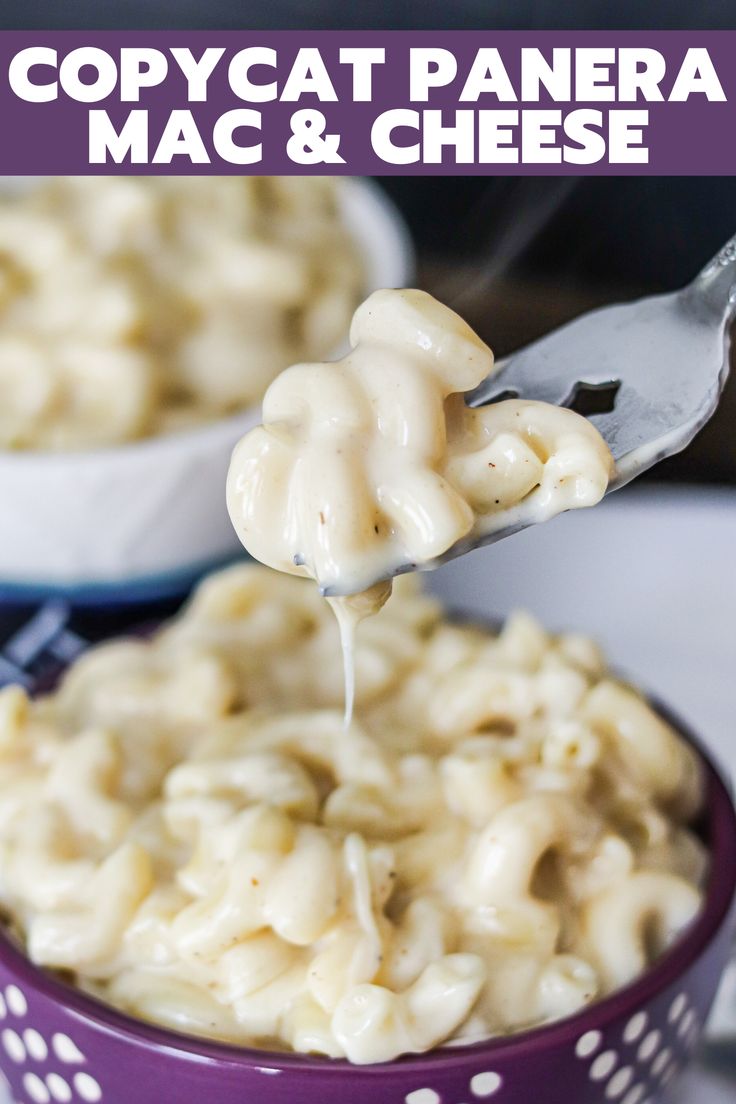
(497, 839)
(350, 610)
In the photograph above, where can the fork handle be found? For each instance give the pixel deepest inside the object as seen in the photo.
(715, 286)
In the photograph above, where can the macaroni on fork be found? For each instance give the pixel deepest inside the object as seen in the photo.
(374, 464)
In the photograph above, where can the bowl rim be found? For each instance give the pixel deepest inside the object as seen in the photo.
(396, 243)
(716, 911)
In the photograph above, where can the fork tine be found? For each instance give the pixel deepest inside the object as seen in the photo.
(506, 385)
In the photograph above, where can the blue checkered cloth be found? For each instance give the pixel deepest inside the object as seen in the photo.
(40, 646)
(37, 642)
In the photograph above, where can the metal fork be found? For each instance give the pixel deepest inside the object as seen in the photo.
(661, 362)
(656, 367)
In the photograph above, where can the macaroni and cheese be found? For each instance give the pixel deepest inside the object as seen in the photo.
(136, 306)
(498, 838)
(374, 464)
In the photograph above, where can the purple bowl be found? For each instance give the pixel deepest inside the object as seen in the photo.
(57, 1044)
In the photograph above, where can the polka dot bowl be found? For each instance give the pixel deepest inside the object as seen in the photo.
(59, 1045)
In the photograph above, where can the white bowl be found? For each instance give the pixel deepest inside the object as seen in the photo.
(146, 518)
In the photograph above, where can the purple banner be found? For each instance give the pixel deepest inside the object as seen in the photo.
(464, 102)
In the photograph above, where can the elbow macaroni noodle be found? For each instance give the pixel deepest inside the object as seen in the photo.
(498, 838)
(134, 306)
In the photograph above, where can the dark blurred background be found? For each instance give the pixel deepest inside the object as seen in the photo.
(357, 15)
(517, 256)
